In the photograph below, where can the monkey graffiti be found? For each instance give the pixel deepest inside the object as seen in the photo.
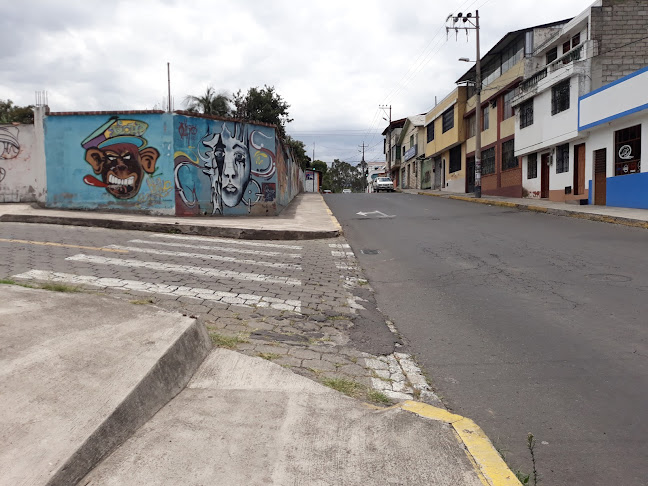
(117, 151)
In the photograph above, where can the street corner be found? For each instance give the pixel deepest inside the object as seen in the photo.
(488, 463)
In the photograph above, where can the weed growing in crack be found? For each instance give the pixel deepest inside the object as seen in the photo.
(348, 387)
(229, 342)
(269, 356)
(142, 301)
(7, 281)
(59, 287)
(378, 397)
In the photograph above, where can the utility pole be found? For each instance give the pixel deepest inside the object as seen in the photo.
(363, 164)
(389, 150)
(473, 24)
(169, 83)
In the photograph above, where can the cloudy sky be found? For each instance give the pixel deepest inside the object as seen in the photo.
(335, 61)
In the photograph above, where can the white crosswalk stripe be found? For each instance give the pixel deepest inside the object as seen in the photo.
(226, 241)
(245, 300)
(172, 267)
(219, 249)
(205, 256)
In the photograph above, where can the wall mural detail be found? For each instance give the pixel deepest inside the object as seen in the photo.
(118, 152)
(229, 161)
(9, 145)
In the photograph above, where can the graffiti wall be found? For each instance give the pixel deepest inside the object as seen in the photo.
(112, 161)
(290, 176)
(22, 167)
(224, 167)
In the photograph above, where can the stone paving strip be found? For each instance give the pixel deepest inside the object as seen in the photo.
(219, 248)
(205, 256)
(226, 241)
(242, 299)
(172, 267)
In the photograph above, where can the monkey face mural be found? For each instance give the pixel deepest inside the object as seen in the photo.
(117, 151)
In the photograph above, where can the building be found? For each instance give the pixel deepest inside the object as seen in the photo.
(412, 152)
(313, 180)
(614, 120)
(392, 149)
(444, 148)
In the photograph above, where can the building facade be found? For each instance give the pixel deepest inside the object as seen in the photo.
(412, 152)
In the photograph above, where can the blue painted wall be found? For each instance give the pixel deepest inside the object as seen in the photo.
(627, 191)
(112, 162)
(224, 167)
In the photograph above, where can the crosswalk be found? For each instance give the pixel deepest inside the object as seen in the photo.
(236, 272)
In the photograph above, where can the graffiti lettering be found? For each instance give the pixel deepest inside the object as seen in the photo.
(185, 130)
(132, 128)
(9, 145)
(158, 189)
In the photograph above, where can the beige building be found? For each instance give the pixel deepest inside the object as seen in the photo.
(412, 152)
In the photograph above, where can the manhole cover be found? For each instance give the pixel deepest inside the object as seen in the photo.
(370, 252)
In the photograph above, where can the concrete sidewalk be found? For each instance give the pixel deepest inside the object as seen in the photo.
(607, 214)
(306, 217)
(90, 388)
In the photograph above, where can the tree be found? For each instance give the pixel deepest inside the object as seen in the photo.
(299, 151)
(321, 166)
(342, 175)
(15, 114)
(210, 103)
(264, 105)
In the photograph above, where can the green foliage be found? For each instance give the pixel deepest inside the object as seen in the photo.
(342, 175)
(321, 166)
(299, 151)
(264, 105)
(210, 103)
(15, 114)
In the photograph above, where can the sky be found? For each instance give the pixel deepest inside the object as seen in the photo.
(335, 62)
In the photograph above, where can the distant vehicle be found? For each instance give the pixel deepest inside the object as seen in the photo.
(327, 191)
(346, 191)
(383, 184)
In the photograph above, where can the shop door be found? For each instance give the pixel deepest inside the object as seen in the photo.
(544, 176)
(426, 182)
(600, 180)
(470, 174)
(438, 170)
(579, 169)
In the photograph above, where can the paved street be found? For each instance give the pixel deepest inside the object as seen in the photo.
(302, 304)
(523, 321)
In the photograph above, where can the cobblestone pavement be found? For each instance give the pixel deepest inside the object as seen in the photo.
(301, 304)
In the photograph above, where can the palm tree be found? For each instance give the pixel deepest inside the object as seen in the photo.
(209, 103)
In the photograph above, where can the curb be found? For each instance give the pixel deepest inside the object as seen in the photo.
(635, 223)
(489, 465)
(187, 229)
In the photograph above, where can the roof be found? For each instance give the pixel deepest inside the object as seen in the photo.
(502, 45)
(394, 124)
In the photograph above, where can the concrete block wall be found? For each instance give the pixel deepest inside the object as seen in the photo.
(619, 27)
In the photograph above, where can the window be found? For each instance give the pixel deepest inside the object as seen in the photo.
(488, 161)
(485, 118)
(575, 40)
(448, 119)
(471, 126)
(398, 152)
(552, 55)
(562, 158)
(560, 97)
(532, 166)
(566, 47)
(411, 141)
(430, 131)
(455, 159)
(509, 160)
(512, 55)
(508, 109)
(627, 151)
(526, 113)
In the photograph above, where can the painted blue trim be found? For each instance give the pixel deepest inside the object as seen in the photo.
(614, 83)
(610, 118)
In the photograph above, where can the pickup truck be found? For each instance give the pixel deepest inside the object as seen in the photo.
(383, 184)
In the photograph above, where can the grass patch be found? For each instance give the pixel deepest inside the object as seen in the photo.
(229, 342)
(269, 356)
(142, 301)
(338, 318)
(59, 287)
(378, 397)
(6, 281)
(348, 387)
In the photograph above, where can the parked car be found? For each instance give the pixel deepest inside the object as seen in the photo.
(346, 191)
(383, 184)
(327, 191)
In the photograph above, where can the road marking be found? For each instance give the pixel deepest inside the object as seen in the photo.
(244, 300)
(231, 242)
(218, 248)
(380, 214)
(171, 267)
(206, 256)
(344, 254)
(62, 245)
(336, 245)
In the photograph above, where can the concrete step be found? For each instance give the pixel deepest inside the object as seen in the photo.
(247, 421)
(79, 374)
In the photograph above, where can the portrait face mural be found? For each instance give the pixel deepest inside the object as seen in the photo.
(224, 169)
(117, 151)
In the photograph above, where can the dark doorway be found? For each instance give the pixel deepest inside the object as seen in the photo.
(438, 176)
(579, 169)
(470, 174)
(600, 180)
(544, 176)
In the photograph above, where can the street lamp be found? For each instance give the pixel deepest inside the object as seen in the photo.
(473, 24)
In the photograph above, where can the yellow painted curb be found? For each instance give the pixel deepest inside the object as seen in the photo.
(539, 209)
(489, 465)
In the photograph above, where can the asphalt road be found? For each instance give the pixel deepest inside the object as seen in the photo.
(524, 322)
